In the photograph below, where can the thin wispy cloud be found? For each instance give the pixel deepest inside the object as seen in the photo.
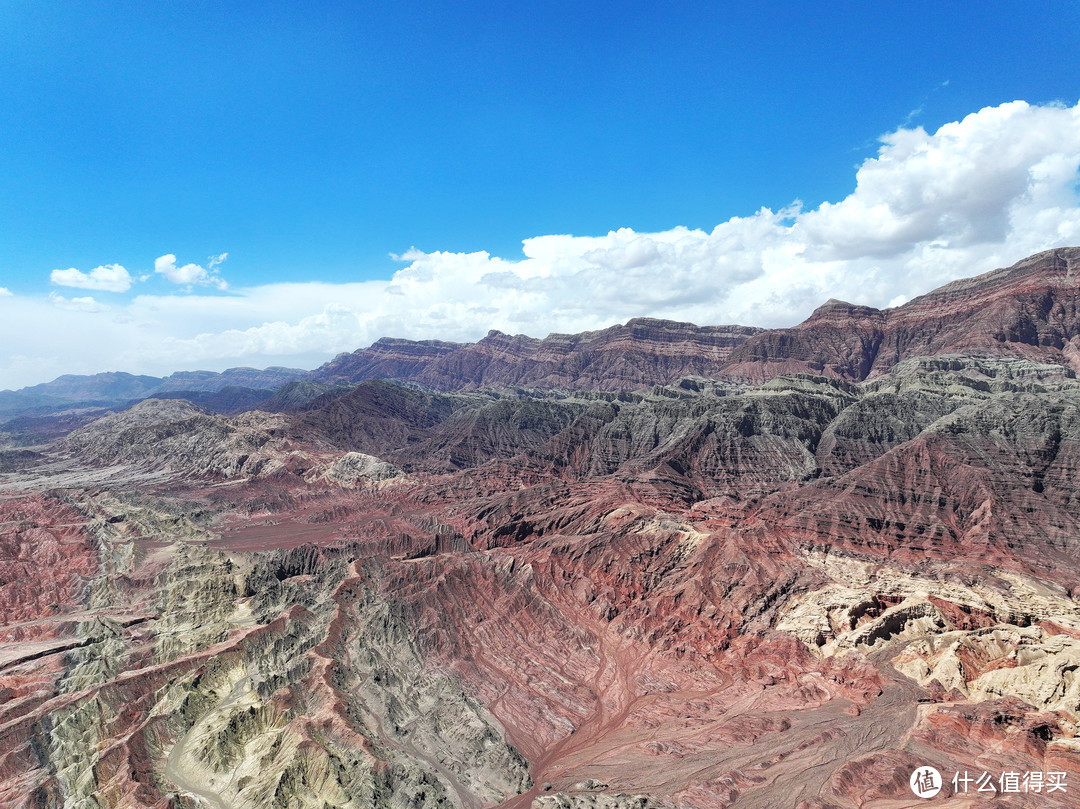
(929, 207)
(916, 113)
(86, 304)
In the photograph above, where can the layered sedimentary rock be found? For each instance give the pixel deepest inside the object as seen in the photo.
(696, 594)
(387, 358)
(643, 352)
(1028, 311)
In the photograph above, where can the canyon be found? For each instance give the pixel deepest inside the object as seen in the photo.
(656, 565)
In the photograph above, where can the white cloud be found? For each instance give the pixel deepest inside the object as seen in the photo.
(86, 304)
(957, 188)
(191, 274)
(5, 292)
(976, 194)
(107, 278)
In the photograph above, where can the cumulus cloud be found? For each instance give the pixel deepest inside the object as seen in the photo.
(5, 292)
(927, 208)
(107, 278)
(958, 188)
(191, 274)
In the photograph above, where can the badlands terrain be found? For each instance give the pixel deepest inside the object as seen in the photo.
(658, 565)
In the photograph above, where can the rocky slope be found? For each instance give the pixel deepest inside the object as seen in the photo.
(699, 594)
(1028, 311)
(177, 435)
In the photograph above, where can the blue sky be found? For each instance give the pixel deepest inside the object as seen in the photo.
(308, 143)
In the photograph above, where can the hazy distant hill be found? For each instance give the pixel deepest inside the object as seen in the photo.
(117, 388)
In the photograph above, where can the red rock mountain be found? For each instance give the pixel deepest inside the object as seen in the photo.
(639, 354)
(1030, 310)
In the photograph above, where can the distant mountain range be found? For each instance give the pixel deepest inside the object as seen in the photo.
(1028, 311)
(117, 387)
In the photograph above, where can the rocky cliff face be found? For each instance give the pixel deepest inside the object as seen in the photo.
(701, 594)
(641, 353)
(388, 358)
(1028, 311)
